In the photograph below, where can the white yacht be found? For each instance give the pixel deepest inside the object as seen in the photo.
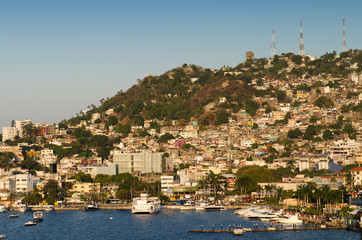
(189, 205)
(214, 207)
(2, 208)
(23, 208)
(293, 219)
(146, 204)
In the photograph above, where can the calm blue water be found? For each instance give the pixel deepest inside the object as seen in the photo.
(168, 224)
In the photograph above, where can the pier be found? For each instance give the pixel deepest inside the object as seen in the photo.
(264, 228)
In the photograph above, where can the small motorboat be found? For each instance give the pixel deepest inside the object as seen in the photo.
(2, 236)
(30, 223)
(13, 216)
(238, 230)
(91, 207)
(2, 209)
(23, 208)
(49, 208)
(38, 216)
(214, 207)
(189, 205)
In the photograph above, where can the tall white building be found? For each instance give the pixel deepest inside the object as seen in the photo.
(23, 183)
(47, 157)
(9, 133)
(144, 162)
(303, 164)
(19, 125)
(167, 185)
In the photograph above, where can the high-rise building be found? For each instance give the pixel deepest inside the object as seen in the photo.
(144, 162)
(9, 133)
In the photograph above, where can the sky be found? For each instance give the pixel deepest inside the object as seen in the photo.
(58, 57)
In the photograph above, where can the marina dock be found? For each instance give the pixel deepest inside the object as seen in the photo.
(266, 229)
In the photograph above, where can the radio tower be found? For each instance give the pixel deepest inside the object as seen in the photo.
(344, 37)
(273, 51)
(301, 45)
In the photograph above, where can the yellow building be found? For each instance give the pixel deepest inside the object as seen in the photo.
(87, 188)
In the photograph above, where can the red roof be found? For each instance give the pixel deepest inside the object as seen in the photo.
(356, 169)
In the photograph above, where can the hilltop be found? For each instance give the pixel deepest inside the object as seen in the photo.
(191, 92)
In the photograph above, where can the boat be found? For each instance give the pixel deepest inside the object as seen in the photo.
(2, 209)
(200, 206)
(49, 208)
(13, 216)
(30, 223)
(293, 219)
(146, 204)
(238, 230)
(189, 205)
(91, 207)
(38, 216)
(23, 208)
(214, 207)
(2, 236)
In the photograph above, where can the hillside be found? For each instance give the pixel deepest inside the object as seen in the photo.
(191, 92)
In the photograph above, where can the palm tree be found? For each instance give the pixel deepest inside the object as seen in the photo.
(348, 178)
(309, 190)
(342, 189)
(299, 193)
(242, 184)
(279, 192)
(203, 184)
(268, 189)
(291, 164)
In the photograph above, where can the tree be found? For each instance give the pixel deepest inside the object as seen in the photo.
(98, 141)
(82, 177)
(291, 164)
(51, 190)
(295, 133)
(124, 129)
(165, 137)
(31, 164)
(327, 134)
(33, 199)
(348, 128)
(310, 132)
(221, 117)
(103, 152)
(123, 194)
(297, 59)
(251, 107)
(323, 102)
(139, 121)
(281, 96)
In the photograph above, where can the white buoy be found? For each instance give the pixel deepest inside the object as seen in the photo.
(111, 218)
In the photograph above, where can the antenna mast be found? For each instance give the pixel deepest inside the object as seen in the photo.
(301, 45)
(344, 37)
(273, 51)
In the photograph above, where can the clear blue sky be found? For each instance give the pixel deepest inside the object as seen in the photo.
(58, 57)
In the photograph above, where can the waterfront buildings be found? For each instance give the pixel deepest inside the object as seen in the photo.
(138, 161)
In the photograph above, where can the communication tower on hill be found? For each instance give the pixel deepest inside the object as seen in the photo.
(344, 37)
(301, 45)
(273, 51)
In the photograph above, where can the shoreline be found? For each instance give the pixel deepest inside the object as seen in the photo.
(109, 207)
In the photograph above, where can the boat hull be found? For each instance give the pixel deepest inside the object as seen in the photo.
(153, 208)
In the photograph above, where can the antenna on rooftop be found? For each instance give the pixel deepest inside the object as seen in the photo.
(344, 37)
(301, 45)
(273, 51)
